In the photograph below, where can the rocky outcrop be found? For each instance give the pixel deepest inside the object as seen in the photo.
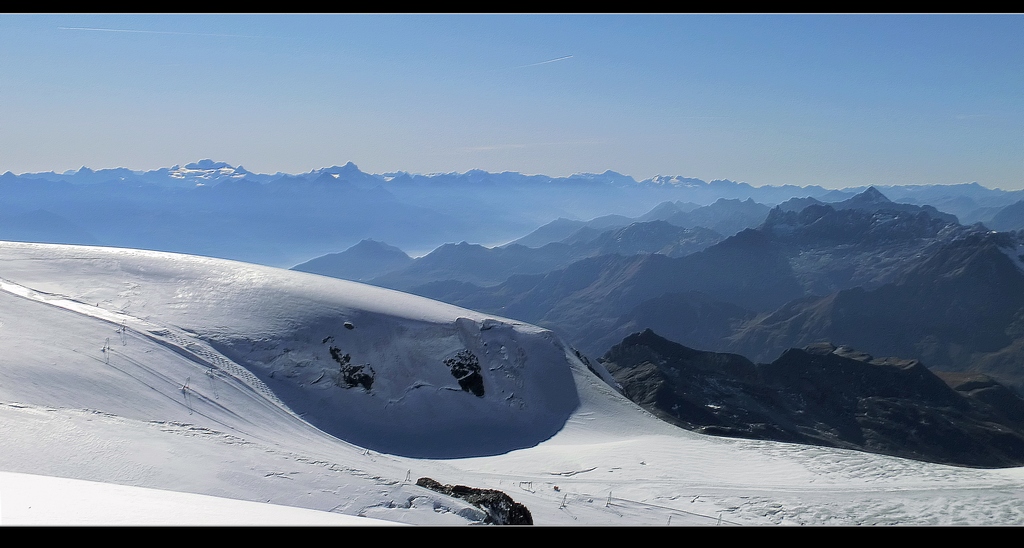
(957, 307)
(500, 508)
(825, 395)
(465, 367)
(351, 375)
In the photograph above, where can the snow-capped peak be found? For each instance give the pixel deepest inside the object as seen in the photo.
(206, 170)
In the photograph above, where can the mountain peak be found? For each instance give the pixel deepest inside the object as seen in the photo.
(207, 164)
(674, 181)
(871, 195)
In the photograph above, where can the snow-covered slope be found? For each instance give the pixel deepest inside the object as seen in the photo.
(41, 500)
(365, 364)
(219, 378)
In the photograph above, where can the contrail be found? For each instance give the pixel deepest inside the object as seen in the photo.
(157, 32)
(544, 62)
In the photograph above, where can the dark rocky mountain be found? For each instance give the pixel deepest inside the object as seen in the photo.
(606, 222)
(692, 316)
(798, 204)
(664, 210)
(649, 237)
(474, 263)
(1008, 218)
(592, 299)
(578, 240)
(832, 249)
(889, 281)
(680, 234)
(717, 295)
(363, 261)
(480, 265)
(825, 395)
(868, 200)
(872, 201)
(583, 235)
(970, 202)
(724, 216)
(959, 307)
(572, 232)
(555, 231)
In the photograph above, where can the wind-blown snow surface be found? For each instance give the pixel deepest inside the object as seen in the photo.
(214, 377)
(42, 500)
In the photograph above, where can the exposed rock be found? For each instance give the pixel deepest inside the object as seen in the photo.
(825, 395)
(959, 306)
(500, 508)
(352, 375)
(465, 367)
(873, 201)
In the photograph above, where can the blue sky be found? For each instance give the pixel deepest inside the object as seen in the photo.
(835, 100)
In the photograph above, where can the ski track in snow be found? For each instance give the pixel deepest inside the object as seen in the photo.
(171, 337)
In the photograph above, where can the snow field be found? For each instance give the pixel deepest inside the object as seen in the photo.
(212, 377)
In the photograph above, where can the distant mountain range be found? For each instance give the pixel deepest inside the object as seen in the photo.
(725, 266)
(213, 208)
(790, 255)
(893, 279)
(485, 266)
